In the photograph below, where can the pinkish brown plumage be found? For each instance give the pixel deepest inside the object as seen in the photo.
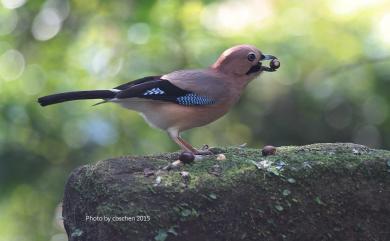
(183, 99)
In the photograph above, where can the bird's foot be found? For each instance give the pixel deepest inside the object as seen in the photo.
(205, 150)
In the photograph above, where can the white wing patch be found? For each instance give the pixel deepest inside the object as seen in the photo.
(114, 90)
(154, 91)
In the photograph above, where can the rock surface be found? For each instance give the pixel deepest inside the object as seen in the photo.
(329, 191)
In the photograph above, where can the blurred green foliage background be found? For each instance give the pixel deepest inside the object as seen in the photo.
(333, 85)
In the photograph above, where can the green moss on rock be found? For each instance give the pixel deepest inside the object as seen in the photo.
(318, 192)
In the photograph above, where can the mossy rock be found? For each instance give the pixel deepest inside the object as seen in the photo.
(335, 191)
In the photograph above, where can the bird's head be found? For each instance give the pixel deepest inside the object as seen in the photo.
(244, 61)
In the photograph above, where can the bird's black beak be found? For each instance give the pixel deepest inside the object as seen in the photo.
(274, 64)
(267, 57)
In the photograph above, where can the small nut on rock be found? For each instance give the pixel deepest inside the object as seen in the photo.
(186, 177)
(187, 157)
(176, 163)
(268, 150)
(221, 157)
(184, 174)
(274, 64)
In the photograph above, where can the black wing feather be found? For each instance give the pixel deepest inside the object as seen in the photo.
(155, 88)
(136, 82)
(171, 92)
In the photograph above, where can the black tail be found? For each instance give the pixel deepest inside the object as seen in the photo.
(76, 95)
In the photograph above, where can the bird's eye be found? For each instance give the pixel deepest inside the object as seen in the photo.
(251, 57)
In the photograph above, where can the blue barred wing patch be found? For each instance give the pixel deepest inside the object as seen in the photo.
(154, 91)
(194, 99)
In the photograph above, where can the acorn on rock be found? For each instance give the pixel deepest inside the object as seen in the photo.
(268, 150)
(274, 64)
(187, 157)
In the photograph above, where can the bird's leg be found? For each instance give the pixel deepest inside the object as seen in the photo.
(185, 145)
(195, 151)
(174, 135)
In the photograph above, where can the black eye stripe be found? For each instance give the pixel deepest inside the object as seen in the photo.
(251, 57)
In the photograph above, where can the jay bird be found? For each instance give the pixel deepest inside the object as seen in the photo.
(184, 99)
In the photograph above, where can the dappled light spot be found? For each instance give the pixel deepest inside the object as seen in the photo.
(73, 135)
(384, 28)
(33, 80)
(46, 24)
(8, 21)
(61, 7)
(100, 131)
(12, 4)
(347, 7)
(12, 64)
(4, 46)
(18, 114)
(100, 60)
(295, 18)
(234, 17)
(139, 33)
(320, 89)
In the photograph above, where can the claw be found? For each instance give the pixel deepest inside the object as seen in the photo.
(203, 152)
(205, 147)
